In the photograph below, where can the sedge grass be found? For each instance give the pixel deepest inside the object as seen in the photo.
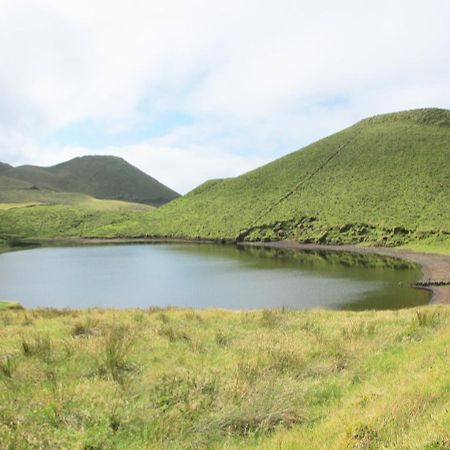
(182, 379)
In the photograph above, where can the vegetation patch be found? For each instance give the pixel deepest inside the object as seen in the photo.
(266, 379)
(10, 305)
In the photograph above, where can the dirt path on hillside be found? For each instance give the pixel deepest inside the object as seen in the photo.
(435, 268)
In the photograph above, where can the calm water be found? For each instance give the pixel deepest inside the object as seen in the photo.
(204, 276)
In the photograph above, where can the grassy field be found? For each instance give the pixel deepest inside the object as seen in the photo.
(27, 212)
(79, 216)
(179, 379)
(15, 198)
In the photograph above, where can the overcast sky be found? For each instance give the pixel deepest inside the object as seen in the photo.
(190, 90)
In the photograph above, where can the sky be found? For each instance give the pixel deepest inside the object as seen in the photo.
(189, 90)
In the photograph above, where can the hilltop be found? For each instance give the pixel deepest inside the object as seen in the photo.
(103, 177)
(384, 180)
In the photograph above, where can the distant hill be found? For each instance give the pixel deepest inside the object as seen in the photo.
(4, 167)
(103, 177)
(8, 183)
(385, 180)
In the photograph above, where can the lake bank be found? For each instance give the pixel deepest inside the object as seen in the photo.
(206, 276)
(435, 268)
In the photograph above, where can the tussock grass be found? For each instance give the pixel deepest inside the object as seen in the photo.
(222, 338)
(117, 342)
(264, 379)
(427, 318)
(40, 346)
(173, 334)
(7, 366)
(86, 328)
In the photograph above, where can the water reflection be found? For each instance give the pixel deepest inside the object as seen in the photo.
(203, 276)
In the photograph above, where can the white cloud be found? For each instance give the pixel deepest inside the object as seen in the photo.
(259, 78)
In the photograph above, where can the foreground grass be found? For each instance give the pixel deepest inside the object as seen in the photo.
(136, 379)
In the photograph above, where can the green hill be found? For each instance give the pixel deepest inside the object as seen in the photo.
(385, 180)
(4, 167)
(29, 211)
(9, 184)
(18, 193)
(382, 181)
(104, 177)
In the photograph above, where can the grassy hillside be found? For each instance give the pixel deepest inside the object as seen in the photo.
(178, 379)
(9, 184)
(384, 180)
(30, 212)
(29, 196)
(104, 177)
(82, 218)
(4, 167)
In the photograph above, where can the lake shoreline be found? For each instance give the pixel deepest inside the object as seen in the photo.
(434, 267)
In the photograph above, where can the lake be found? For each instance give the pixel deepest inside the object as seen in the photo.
(205, 276)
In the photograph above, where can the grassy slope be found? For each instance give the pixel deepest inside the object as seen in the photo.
(103, 177)
(8, 183)
(9, 305)
(386, 179)
(213, 379)
(383, 181)
(26, 212)
(4, 167)
(69, 220)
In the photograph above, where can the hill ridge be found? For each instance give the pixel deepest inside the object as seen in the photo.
(385, 180)
(426, 116)
(100, 176)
